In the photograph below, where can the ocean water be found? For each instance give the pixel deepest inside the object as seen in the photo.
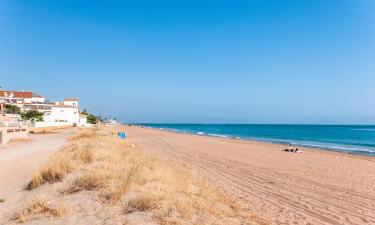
(355, 139)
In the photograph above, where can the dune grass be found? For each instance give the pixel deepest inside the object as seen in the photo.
(40, 207)
(55, 170)
(121, 174)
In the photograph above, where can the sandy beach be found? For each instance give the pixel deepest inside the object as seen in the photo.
(316, 187)
(269, 186)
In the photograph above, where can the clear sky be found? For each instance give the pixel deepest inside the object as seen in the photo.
(196, 61)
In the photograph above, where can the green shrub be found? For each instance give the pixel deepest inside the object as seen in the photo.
(32, 114)
(12, 109)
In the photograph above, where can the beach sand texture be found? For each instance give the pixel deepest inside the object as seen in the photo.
(18, 161)
(316, 187)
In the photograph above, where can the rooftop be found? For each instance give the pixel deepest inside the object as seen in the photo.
(16, 94)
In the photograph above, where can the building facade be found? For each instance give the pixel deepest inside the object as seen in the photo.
(65, 111)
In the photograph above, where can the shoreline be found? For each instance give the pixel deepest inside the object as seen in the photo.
(317, 187)
(280, 144)
(263, 183)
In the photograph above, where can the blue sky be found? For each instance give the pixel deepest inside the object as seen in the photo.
(196, 61)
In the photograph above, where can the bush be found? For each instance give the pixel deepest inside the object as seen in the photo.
(92, 119)
(32, 114)
(12, 109)
(84, 112)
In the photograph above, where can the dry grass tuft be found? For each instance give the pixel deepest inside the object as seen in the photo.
(120, 173)
(54, 171)
(140, 203)
(39, 207)
(85, 155)
(87, 182)
(84, 133)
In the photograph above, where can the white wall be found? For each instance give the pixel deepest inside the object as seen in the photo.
(50, 124)
(71, 103)
(82, 121)
(7, 134)
(68, 114)
(27, 100)
(38, 99)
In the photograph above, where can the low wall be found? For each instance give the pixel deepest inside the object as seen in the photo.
(48, 124)
(11, 133)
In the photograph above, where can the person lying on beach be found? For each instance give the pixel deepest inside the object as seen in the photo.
(291, 149)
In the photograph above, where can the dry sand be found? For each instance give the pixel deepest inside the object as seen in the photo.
(18, 161)
(316, 187)
(277, 187)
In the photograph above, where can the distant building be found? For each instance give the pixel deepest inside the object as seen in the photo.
(22, 99)
(71, 102)
(82, 120)
(66, 111)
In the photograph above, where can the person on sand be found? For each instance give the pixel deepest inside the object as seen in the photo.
(299, 151)
(291, 149)
(288, 148)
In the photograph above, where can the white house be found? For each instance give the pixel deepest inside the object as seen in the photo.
(66, 112)
(82, 120)
(71, 102)
(63, 113)
(21, 99)
(37, 98)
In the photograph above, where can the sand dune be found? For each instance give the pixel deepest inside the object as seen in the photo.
(317, 187)
(97, 178)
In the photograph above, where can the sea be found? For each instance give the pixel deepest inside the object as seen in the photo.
(354, 139)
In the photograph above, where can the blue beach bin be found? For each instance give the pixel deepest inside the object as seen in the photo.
(121, 135)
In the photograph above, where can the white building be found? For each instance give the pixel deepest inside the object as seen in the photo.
(82, 120)
(66, 112)
(23, 98)
(63, 113)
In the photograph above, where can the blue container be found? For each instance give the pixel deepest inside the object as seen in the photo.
(121, 135)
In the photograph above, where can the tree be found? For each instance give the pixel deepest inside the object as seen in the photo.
(32, 114)
(84, 112)
(12, 109)
(92, 119)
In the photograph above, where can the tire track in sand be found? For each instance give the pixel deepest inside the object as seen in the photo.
(298, 200)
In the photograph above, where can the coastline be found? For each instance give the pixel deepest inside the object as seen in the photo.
(249, 140)
(318, 186)
(260, 183)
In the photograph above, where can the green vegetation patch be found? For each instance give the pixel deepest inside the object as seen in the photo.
(32, 114)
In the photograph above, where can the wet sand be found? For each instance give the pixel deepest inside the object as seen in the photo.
(316, 187)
